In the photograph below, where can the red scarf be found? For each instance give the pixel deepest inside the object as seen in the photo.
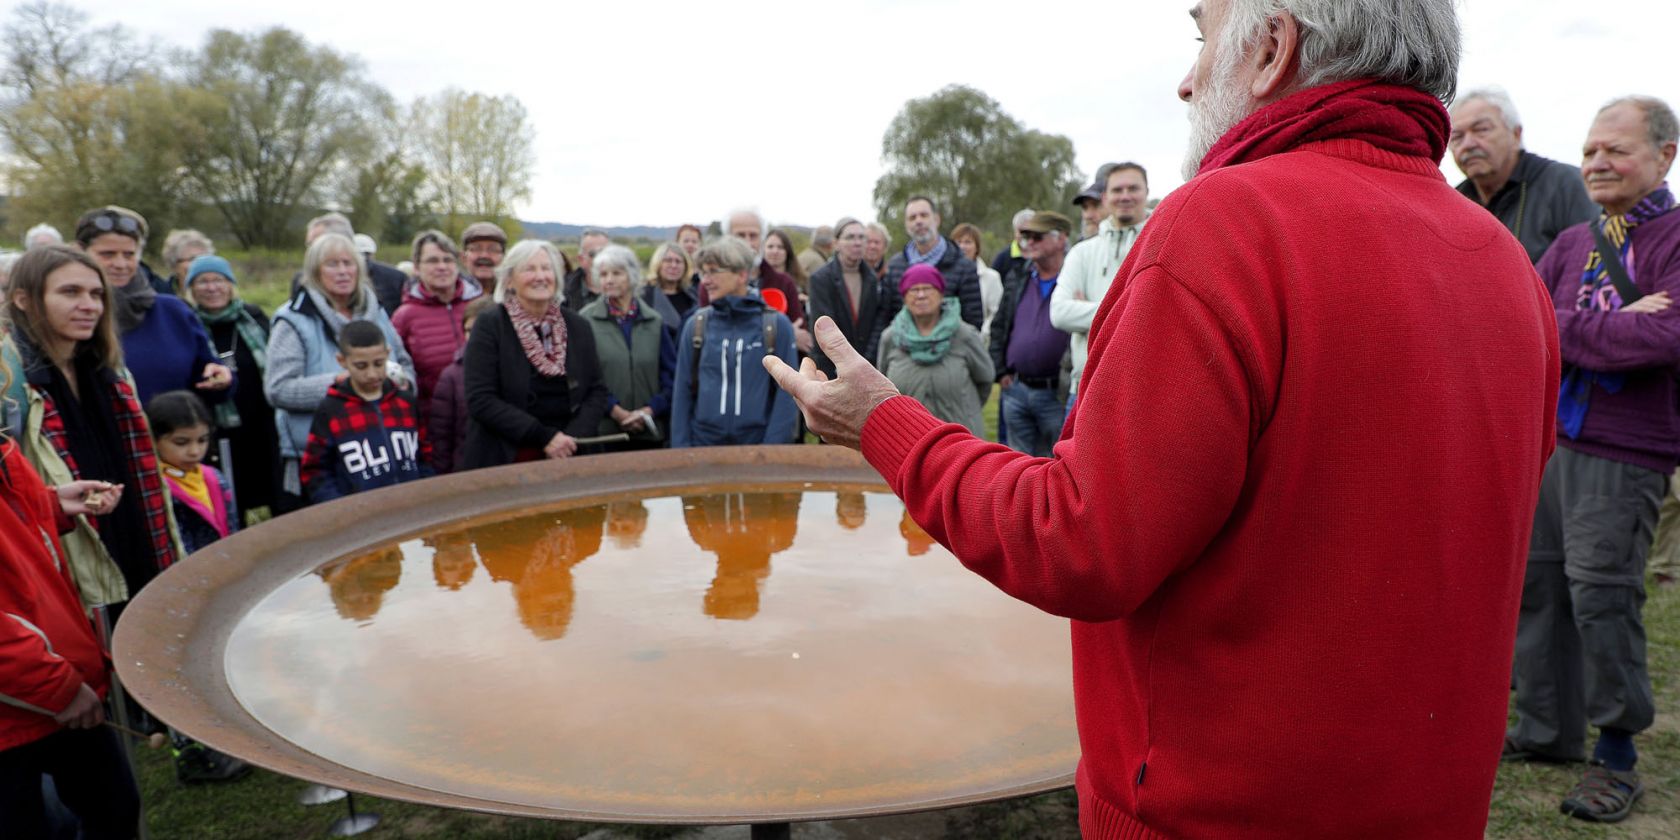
(543, 339)
(1391, 117)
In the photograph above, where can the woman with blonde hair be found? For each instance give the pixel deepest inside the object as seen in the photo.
(670, 286)
(303, 347)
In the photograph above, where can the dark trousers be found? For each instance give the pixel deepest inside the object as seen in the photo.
(1580, 653)
(93, 780)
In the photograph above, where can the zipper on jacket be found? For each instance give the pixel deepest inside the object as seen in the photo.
(740, 348)
(723, 378)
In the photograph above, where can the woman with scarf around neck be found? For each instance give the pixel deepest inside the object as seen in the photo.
(239, 334)
(932, 355)
(165, 346)
(303, 348)
(83, 423)
(533, 379)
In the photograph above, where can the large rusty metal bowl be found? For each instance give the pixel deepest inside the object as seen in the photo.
(920, 688)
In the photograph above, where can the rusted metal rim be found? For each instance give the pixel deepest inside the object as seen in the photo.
(172, 641)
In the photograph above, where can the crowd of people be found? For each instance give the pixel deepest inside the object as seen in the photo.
(146, 416)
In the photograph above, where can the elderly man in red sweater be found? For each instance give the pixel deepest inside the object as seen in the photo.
(1290, 510)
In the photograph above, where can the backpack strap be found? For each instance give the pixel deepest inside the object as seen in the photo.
(1611, 258)
(694, 357)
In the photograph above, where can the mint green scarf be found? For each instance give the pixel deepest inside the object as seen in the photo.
(248, 331)
(928, 349)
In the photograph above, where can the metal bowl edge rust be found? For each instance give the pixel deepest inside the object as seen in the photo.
(171, 644)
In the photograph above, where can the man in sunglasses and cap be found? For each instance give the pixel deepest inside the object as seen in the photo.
(1027, 350)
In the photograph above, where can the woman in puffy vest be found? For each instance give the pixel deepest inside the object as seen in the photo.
(303, 347)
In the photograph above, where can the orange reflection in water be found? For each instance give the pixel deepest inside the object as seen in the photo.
(839, 659)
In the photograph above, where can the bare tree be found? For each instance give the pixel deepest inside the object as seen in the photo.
(478, 151)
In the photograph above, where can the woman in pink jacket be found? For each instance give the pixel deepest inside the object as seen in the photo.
(429, 320)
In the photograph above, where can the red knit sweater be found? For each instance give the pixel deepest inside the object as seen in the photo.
(1290, 514)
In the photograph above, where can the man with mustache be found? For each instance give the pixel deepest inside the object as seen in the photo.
(483, 245)
(1535, 197)
(1290, 513)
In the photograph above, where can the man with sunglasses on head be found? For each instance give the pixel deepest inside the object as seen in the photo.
(1027, 350)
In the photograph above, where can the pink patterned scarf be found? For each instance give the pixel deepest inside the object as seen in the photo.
(544, 339)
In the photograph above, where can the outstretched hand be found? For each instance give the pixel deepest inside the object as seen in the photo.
(835, 409)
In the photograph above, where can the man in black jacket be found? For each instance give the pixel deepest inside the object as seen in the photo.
(927, 245)
(1536, 198)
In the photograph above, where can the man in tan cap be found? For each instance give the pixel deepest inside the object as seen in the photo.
(1027, 350)
(485, 244)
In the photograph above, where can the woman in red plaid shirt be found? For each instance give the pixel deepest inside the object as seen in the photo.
(84, 422)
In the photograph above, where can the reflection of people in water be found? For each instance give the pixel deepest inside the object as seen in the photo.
(452, 559)
(626, 522)
(918, 540)
(358, 585)
(743, 530)
(537, 555)
(851, 510)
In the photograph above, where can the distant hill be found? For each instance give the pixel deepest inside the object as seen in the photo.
(560, 230)
(563, 231)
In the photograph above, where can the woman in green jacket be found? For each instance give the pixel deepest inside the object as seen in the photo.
(638, 355)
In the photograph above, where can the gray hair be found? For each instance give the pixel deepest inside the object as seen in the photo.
(1659, 118)
(324, 246)
(877, 227)
(588, 232)
(729, 253)
(763, 226)
(822, 237)
(620, 257)
(1498, 98)
(523, 252)
(333, 223)
(53, 237)
(179, 240)
(1415, 43)
(1022, 218)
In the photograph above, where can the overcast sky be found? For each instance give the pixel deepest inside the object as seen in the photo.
(669, 112)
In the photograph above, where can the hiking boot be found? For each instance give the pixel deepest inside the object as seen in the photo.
(197, 764)
(1603, 795)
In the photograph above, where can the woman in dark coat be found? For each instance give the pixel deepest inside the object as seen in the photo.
(239, 335)
(533, 378)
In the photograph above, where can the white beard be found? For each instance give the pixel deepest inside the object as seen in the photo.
(1213, 113)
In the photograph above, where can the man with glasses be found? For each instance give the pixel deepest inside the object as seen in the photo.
(485, 243)
(1027, 350)
(1536, 198)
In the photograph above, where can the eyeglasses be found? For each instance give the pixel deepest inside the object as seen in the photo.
(1032, 235)
(484, 247)
(438, 261)
(109, 221)
(853, 237)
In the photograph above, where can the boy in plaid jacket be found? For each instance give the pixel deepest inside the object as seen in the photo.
(366, 432)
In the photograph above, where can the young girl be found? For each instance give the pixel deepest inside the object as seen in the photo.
(182, 430)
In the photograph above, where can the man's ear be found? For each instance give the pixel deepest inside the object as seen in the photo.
(1276, 57)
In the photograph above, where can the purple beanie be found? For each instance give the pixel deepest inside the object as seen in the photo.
(920, 275)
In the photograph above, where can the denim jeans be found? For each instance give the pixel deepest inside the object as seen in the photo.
(1035, 418)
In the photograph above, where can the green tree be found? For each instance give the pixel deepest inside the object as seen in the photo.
(477, 151)
(274, 119)
(980, 164)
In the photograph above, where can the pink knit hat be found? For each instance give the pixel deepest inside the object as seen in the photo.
(920, 275)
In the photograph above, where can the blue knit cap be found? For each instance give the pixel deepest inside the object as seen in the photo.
(210, 264)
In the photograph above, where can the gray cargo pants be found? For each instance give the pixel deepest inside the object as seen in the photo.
(1580, 637)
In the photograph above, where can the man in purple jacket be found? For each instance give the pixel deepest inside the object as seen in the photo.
(1580, 652)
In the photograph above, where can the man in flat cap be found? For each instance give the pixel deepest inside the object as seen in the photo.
(1027, 350)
